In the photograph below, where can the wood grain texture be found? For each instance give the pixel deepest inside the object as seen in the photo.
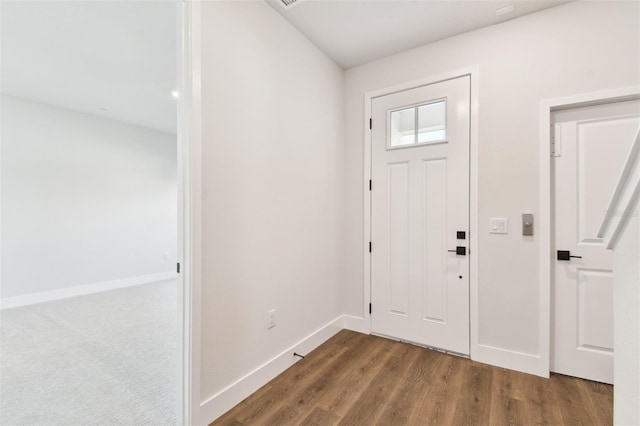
(356, 379)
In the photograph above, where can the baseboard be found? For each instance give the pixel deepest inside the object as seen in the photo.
(512, 360)
(486, 354)
(356, 324)
(233, 394)
(229, 397)
(81, 290)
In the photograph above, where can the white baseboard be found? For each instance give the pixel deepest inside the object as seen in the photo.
(356, 324)
(512, 360)
(233, 394)
(486, 354)
(229, 397)
(81, 290)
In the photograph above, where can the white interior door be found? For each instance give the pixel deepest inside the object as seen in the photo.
(420, 201)
(591, 145)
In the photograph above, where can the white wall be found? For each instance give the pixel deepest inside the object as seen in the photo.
(84, 200)
(575, 48)
(626, 375)
(272, 193)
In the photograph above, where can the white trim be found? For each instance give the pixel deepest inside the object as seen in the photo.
(505, 358)
(189, 214)
(229, 397)
(548, 106)
(474, 212)
(367, 213)
(82, 290)
(474, 141)
(357, 324)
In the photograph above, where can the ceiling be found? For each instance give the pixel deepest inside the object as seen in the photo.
(115, 59)
(354, 32)
(118, 59)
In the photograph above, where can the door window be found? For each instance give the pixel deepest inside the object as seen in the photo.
(418, 125)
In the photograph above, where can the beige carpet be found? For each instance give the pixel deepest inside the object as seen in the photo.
(108, 358)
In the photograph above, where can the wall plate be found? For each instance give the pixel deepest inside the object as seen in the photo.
(527, 224)
(498, 225)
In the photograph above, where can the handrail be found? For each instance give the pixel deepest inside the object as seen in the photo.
(625, 194)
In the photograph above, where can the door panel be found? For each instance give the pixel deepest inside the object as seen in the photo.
(398, 175)
(595, 324)
(596, 149)
(420, 198)
(592, 145)
(434, 205)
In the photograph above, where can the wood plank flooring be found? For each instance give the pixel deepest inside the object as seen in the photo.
(356, 379)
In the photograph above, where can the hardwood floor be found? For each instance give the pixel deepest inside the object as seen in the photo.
(356, 379)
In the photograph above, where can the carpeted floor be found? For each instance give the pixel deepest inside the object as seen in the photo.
(108, 358)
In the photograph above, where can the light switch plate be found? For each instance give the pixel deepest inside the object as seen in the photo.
(498, 225)
(527, 224)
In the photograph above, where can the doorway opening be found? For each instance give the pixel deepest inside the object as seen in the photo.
(90, 212)
(420, 215)
(555, 258)
(416, 119)
(590, 146)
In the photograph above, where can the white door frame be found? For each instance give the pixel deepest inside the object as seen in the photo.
(547, 107)
(189, 212)
(473, 72)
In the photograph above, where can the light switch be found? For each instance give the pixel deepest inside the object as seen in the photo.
(498, 225)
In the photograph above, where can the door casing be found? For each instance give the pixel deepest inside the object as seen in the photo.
(189, 212)
(547, 107)
(473, 73)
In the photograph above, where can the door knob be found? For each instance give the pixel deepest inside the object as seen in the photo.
(460, 251)
(566, 255)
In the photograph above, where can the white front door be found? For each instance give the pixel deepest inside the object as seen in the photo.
(591, 145)
(420, 210)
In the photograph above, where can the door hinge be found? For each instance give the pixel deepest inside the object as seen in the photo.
(556, 140)
(370, 309)
(369, 246)
(370, 184)
(177, 267)
(370, 124)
